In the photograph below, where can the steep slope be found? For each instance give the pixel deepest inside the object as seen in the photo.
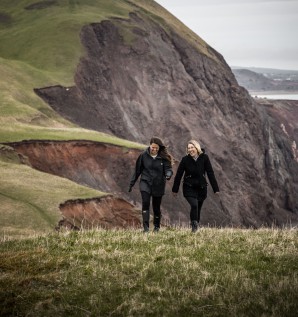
(138, 79)
(142, 74)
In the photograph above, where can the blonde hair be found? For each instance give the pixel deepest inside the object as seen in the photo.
(196, 144)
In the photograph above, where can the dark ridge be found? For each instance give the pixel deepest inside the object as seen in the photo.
(41, 5)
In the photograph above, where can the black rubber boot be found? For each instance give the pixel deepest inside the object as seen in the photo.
(156, 222)
(146, 218)
(194, 226)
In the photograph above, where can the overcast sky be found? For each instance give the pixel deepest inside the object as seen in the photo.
(255, 33)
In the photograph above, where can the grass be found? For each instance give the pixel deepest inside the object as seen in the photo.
(30, 199)
(48, 39)
(216, 272)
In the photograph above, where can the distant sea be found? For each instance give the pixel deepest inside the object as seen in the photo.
(275, 95)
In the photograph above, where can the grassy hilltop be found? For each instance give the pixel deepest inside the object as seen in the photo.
(216, 272)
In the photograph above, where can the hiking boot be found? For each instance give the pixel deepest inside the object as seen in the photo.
(194, 226)
(156, 229)
(146, 218)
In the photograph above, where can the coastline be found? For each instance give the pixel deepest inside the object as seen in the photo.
(276, 95)
(273, 92)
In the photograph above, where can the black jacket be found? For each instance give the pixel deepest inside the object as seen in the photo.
(194, 181)
(153, 171)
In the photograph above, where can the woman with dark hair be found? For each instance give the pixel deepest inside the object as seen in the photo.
(194, 166)
(155, 167)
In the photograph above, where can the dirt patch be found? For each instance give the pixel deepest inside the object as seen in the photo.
(107, 212)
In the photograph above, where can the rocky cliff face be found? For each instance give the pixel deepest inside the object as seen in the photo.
(280, 131)
(137, 80)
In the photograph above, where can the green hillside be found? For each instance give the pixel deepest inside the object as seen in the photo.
(47, 37)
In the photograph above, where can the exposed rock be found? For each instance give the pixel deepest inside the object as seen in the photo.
(107, 168)
(100, 166)
(281, 132)
(106, 212)
(137, 80)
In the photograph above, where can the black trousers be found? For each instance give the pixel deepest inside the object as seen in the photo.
(195, 208)
(156, 202)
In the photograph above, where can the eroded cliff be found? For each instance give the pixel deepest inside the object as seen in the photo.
(107, 168)
(137, 80)
(106, 212)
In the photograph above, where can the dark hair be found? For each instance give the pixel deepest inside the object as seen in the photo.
(163, 151)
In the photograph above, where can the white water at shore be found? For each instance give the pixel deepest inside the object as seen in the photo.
(275, 95)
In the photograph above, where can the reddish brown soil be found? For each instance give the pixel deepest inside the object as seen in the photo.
(107, 212)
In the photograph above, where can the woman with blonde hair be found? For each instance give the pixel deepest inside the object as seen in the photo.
(194, 166)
